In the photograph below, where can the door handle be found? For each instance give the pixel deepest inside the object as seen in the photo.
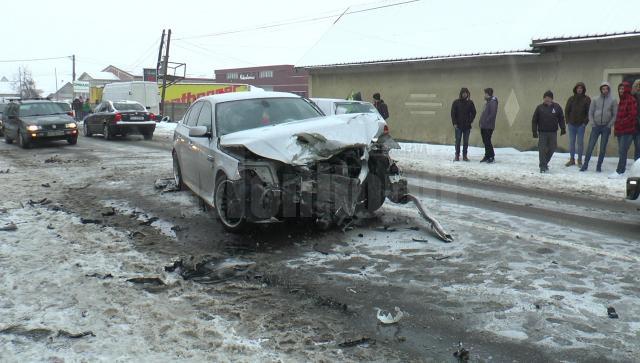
(210, 158)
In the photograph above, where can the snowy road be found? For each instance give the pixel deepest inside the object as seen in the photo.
(529, 277)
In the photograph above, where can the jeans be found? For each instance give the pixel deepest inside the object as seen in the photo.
(636, 142)
(624, 143)
(462, 135)
(547, 144)
(603, 133)
(486, 140)
(576, 135)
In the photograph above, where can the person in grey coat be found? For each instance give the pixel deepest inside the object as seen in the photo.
(602, 115)
(488, 124)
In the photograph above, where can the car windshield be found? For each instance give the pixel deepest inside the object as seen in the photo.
(128, 106)
(64, 106)
(38, 109)
(242, 115)
(354, 107)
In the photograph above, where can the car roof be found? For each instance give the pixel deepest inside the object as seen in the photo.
(124, 101)
(236, 96)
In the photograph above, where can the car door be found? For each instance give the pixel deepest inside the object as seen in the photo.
(11, 121)
(89, 122)
(187, 157)
(203, 153)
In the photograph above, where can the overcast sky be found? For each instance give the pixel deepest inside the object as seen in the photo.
(127, 34)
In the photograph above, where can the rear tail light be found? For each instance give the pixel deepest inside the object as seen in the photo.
(118, 117)
(386, 130)
(152, 116)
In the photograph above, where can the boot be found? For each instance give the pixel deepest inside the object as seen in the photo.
(465, 158)
(580, 161)
(457, 158)
(571, 162)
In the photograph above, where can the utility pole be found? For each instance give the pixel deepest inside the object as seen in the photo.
(158, 65)
(164, 72)
(73, 60)
(20, 80)
(55, 73)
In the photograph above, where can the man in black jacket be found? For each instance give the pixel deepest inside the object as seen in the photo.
(382, 108)
(547, 117)
(463, 111)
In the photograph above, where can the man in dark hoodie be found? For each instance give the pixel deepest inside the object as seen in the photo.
(602, 115)
(546, 119)
(577, 117)
(488, 124)
(625, 126)
(380, 106)
(463, 111)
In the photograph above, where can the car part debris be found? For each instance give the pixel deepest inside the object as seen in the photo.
(440, 258)
(36, 334)
(149, 221)
(166, 185)
(100, 276)
(66, 334)
(147, 280)
(4, 171)
(137, 234)
(43, 201)
(364, 341)
(436, 227)
(462, 354)
(385, 317)
(9, 227)
(45, 185)
(612, 312)
(419, 240)
(315, 248)
(210, 270)
(90, 221)
(109, 213)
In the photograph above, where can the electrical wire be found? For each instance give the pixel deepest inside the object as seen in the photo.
(32, 59)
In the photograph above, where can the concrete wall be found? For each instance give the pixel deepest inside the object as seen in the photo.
(419, 95)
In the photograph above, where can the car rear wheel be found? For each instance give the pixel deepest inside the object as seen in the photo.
(230, 205)
(85, 130)
(177, 173)
(22, 141)
(106, 132)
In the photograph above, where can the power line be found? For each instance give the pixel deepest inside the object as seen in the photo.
(293, 22)
(32, 59)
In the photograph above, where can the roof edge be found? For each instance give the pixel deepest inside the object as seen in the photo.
(542, 42)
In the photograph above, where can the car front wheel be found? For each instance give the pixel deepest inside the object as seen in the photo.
(85, 130)
(7, 139)
(230, 205)
(177, 173)
(22, 141)
(72, 140)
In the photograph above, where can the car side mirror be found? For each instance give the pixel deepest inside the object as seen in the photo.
(198, 131)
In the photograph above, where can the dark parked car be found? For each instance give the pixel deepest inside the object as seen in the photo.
(113, 118)
(65, 106)
(29, 121)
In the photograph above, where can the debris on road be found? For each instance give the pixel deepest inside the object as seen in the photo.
(43, 201)
(90, 221)
(420, 240)
(36, 334)
(364, 341)
(440, 258)
(4, 171)
(315, 248)
(210, 270)
(9, 227)
(385, 317)
(149, 221)
(109, 212)
(436, 227)
(166, 185)
(462, 354)
(147, 280)
(100, 276)
(45, 185)
(66, 334)
(612, 312)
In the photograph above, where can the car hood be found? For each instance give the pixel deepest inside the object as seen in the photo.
(306, 141)
(47, 119)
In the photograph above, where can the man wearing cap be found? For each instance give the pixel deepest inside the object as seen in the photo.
(547, 118)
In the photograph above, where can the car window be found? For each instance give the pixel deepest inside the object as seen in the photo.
(128, 106)
(38, 109)
(194, 112)
(354, 107)
(64, 106)
(12, 110)
(234, 116)
(204, 119)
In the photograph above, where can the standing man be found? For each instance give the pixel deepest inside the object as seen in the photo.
(86, 108)
(380, 106)
(547, 118)
(635, 90)
(577, 116)
(488, 124)
(625, 126)
(463, 111)
(602, 115)
(77, 108)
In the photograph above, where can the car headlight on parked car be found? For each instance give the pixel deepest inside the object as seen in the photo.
(72, 125)
(34, 128)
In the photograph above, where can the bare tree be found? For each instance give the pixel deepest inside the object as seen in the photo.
(25, 85)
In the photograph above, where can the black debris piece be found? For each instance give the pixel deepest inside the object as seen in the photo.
(317, 249)
(90, 221)
(210, 270)
(364, 341)
(137, 234)
(360, 235)
(414, 228)
(440, 258)
(612, 312)
(100, 276)
(420, 240)
(156, 281)
(461, 354)
(109, 213)
(36, 334)
(43, 201)
(176, 228)
(49, 226)
(4, 171)
(66, 334)
(45, 185)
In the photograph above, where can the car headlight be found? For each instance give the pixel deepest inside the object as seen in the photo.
(72, 125)
(34, 128)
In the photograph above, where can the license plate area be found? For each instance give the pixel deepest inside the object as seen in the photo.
(136, 118)
(55, 133)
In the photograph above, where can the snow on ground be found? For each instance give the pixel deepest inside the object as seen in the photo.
(61, 275)
(515, 167)
(165, 128)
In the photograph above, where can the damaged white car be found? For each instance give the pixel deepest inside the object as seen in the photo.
(268, 156)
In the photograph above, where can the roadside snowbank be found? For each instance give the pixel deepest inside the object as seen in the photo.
(515, 167)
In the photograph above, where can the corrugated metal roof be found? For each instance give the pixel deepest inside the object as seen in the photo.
(435, 29)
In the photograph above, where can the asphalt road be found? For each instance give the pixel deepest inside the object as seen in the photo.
(529, 276)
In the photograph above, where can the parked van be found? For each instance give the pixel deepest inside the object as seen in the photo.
(145, 93)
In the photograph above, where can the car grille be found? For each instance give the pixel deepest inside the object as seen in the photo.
(54, 127)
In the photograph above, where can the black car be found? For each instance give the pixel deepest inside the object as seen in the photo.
(113, 118)
(29, 121)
